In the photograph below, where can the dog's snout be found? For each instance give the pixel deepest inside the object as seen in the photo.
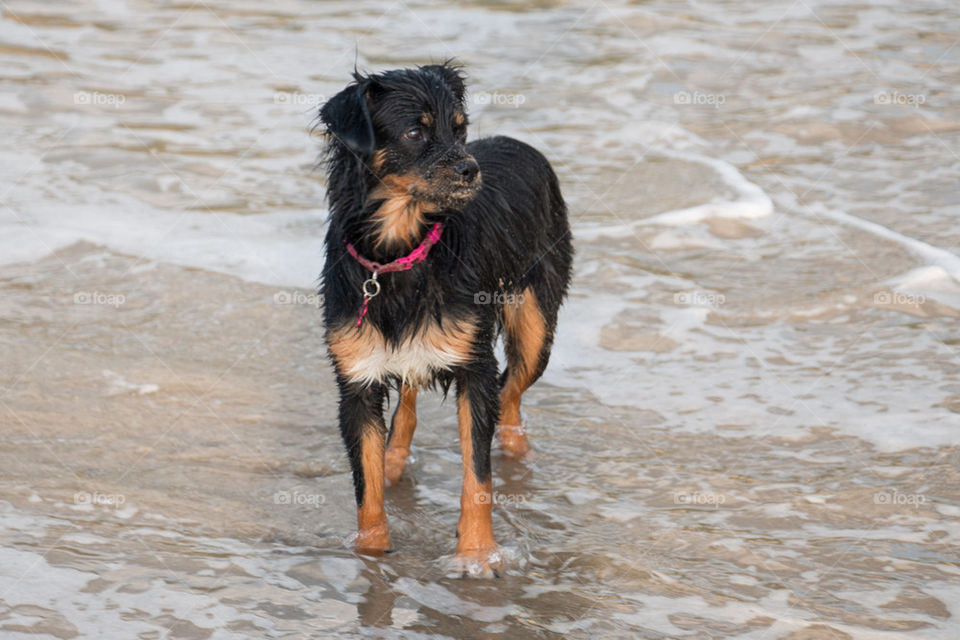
(467, 169)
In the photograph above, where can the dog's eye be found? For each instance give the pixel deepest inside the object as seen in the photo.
(413, 133)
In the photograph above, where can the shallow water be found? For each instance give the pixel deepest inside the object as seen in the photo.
(749, 424)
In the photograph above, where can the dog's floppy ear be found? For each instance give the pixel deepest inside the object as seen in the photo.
(347, 118)
(452, 76)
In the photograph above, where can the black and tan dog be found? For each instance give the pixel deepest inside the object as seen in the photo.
(434, 247)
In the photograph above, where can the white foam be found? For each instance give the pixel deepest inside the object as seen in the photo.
(283, 248)
(669, 240)
(751, 203)
(949, 262)
(932, 282)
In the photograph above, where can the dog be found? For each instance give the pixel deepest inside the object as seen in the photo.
(435, 247)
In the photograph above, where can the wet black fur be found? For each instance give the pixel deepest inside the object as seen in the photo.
(511, 235)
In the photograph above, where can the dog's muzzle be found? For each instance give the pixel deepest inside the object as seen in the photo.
(467, 179)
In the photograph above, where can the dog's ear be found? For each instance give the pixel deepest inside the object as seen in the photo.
(347, 117)
(452, 76)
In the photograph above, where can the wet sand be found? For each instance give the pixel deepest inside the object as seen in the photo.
(172, 465)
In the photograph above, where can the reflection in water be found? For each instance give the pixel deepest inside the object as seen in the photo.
(748, 426)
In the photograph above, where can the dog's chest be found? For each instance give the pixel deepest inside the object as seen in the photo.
(364, 356)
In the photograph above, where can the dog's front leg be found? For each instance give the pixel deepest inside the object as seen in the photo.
(364, 433)
(477, 410)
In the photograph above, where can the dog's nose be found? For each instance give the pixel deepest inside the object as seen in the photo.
(467, 169)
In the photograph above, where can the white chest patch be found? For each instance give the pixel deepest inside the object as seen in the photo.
(365, 357)
(414, 362)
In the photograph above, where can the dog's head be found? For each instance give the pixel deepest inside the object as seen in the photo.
(408, 128)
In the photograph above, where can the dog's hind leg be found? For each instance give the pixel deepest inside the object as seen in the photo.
(364, 433)
(529, 334)
(401, 434)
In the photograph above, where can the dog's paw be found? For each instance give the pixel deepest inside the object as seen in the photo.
(394, 462)
(484, 563)
(373, 540)
(513, 440)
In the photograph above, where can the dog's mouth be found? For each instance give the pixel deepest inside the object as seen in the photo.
(464, 190)
(451, 193)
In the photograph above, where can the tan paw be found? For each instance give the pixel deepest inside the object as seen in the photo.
(478, 563)
(372, 540)
(513, 440)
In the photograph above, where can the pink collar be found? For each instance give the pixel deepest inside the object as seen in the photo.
(370, 286)
(405, 263)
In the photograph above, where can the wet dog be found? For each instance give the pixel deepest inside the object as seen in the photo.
(435, 247)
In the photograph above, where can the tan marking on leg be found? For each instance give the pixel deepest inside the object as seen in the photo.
(373, 534)
(526, 332)
(404, 424)
(475, 528)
